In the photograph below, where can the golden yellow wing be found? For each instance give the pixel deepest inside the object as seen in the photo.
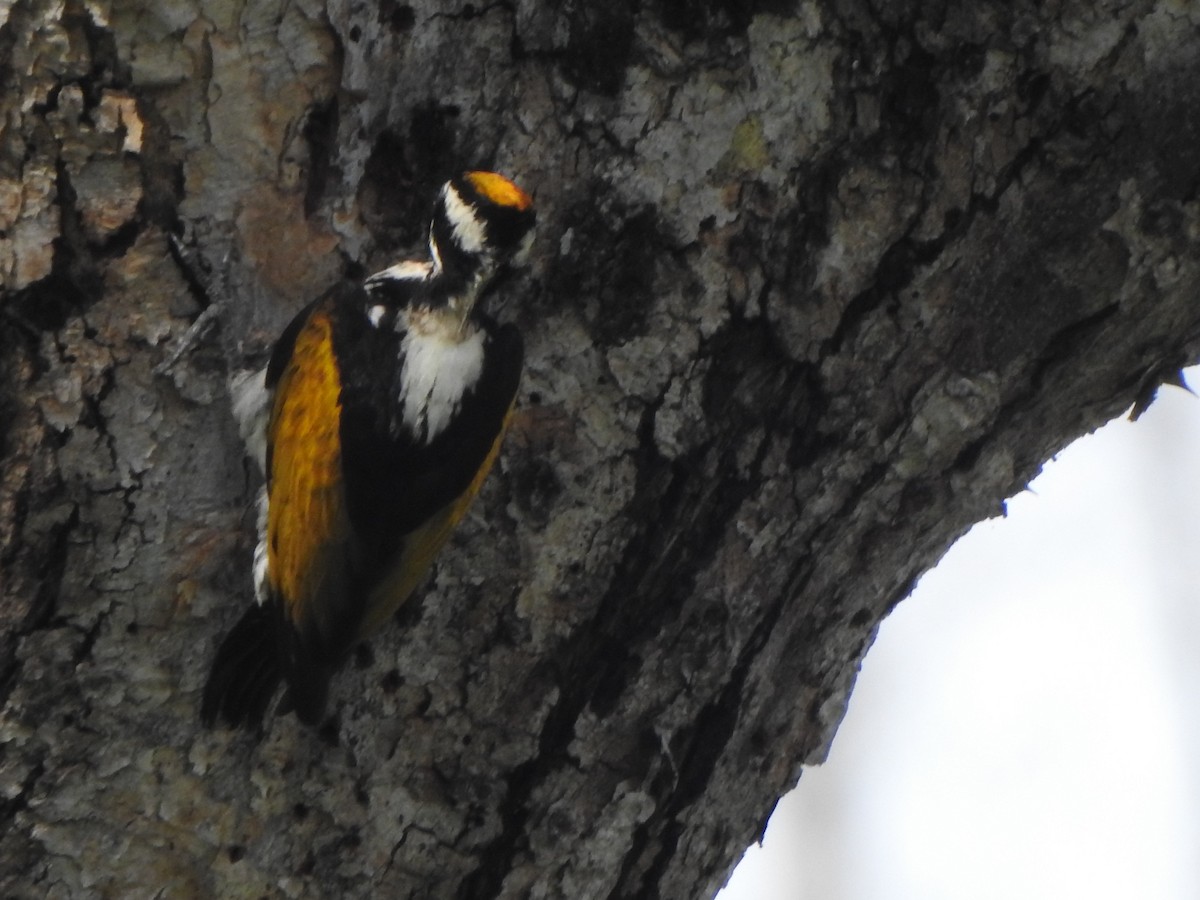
(309, 541)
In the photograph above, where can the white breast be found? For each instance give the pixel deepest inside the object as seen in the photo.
(439, 369)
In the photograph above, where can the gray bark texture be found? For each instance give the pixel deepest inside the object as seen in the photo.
(817, 286)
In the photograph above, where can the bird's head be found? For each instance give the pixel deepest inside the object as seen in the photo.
(482, 221)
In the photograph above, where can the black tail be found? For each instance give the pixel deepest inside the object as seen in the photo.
(307, 680)
(245, 674)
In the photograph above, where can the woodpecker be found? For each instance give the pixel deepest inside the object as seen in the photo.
(375, 422)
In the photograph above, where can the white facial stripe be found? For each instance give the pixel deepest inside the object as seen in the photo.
(375, 314)
(468, 230)
(409, 270)
(434, 252)
(438, 371)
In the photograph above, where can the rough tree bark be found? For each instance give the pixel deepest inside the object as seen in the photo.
(817, 286)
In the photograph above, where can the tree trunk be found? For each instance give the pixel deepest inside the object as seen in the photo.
(816, 287)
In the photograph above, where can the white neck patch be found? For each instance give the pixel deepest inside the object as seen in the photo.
(440, 367)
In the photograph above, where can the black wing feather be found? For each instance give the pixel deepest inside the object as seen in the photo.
(395, 484)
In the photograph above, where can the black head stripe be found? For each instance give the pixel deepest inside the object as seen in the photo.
(505, 225)
(456, 262)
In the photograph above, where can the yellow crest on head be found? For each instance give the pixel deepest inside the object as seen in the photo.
(499, 190)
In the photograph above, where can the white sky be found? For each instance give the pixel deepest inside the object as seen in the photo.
(1027, 724)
